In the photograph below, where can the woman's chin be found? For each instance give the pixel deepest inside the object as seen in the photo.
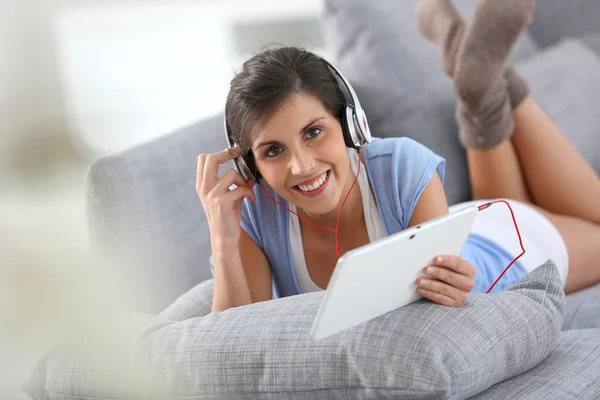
(316, 207)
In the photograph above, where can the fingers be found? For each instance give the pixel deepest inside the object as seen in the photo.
(230, 177)
(211, 166)
(443, 299)
(452, 278)
(208, 168)
(241, 192)
(456, 264)
(200, 172)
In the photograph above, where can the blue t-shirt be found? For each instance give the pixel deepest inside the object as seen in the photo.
(398, 169)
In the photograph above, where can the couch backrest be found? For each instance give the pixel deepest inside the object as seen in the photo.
(557, 19)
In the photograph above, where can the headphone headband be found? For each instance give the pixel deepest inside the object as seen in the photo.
(346, 83)
(355, 127)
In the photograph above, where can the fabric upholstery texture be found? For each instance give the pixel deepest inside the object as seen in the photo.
(569, 372)
(554, 20)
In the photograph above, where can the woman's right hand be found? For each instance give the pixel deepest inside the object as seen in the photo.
(223, 207)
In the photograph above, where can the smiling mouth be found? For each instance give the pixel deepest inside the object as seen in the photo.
(315, 185)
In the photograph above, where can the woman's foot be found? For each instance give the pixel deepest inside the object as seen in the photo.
(475, 56)
(440, 22)
(488, 41)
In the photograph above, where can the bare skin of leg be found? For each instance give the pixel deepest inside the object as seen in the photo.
(540, 167)
(558, 177)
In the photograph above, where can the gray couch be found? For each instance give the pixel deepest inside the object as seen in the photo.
(148, 225)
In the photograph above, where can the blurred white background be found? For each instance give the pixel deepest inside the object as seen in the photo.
(82, 78)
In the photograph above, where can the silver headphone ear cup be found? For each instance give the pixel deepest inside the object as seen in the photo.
(363, 124)
(242, 168)
(351, 128)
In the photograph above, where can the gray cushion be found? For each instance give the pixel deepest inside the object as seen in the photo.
(196, 302)
(571, 371)
(592, 40)
(398, 77)
(264, 351)
(583, 309)
(146, 220)
(554, 20)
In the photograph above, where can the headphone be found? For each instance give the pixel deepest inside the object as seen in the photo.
(355, 128)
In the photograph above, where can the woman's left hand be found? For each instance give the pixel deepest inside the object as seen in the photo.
(454, 278)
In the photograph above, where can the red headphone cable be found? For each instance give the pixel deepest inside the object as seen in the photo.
(487, 205)
(337, 225)
(336, 230)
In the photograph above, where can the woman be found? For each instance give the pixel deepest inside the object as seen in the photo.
(285, 111)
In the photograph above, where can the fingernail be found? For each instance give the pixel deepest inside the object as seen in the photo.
(428, 270)
(440, 259)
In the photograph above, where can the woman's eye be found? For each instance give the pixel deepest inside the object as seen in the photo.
(313, 132)
(273, 151)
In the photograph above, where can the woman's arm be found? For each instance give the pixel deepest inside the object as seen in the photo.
(242, 276)
(241, 271)
(431, 204)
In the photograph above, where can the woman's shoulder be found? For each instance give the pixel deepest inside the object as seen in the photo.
(395, 149)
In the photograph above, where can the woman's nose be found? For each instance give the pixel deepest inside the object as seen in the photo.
(302, 164)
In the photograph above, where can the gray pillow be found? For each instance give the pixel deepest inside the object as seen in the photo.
(264, 351)
(398, 77)
(196, 302)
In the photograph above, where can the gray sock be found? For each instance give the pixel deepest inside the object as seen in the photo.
(516, 85)
(475, 56)
(488, 40)
(492, 122)
(440, 22)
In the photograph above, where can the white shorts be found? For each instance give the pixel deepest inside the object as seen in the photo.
(541, 239)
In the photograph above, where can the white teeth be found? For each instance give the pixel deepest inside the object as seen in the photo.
(315, 185)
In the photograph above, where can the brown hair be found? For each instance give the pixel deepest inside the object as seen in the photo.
(267, 80)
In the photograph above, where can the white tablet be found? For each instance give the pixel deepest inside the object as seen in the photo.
(380, 277)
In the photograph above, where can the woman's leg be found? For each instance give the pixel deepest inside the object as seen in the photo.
(581, 238)
(538, 165)
(557, 176)
(496, 173)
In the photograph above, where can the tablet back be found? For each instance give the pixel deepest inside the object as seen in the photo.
(379, 277)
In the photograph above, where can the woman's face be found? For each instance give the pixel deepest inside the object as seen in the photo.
(301, 154)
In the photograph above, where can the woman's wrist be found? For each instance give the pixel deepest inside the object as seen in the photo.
(225, 253)
(221, 247)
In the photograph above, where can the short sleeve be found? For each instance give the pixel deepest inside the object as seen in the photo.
(403, 168)
(416, 165)
(249, 220)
